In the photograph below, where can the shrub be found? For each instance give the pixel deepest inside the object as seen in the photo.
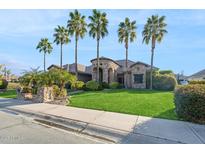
(197, 82)
(114, 85)
(164, 82)
(26, 90)
(78, 85)
(92, 85)
(166, 72)
(100, 87)
(3, 84)
(57, 92)
(190, 102)
(155, 72)
(105, 85)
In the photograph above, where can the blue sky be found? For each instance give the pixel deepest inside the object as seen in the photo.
(183, 48)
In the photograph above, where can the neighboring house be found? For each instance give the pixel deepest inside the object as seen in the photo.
(84, 72)
(112, 71)
(197, 76)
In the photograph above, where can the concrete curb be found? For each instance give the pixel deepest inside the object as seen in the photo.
(97, 131)
(69, 125)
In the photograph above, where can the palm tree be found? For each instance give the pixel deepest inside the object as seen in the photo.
(77, 27)
(44, 46)
(154, 30)
(98, 29)
(126, 34)
(8, 73)
(61, 37)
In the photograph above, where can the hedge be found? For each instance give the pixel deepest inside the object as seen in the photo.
(92, 85)
(190, 102)
(3, 84)
(78, 85)
(114, 85)
(164, 82)
(197, 82)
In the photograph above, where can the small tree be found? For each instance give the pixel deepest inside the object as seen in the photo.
(44, 46)
(61, 77)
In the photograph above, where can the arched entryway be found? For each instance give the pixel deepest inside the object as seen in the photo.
(110, 75)
(100, 74)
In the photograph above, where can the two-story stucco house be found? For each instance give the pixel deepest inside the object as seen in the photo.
(112, 71)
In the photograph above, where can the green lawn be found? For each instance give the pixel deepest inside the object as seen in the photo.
(8, 94)
(138, 102)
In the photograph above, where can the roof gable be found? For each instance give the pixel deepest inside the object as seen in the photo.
(105, 58)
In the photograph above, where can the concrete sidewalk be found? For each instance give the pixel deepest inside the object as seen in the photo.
(122, 128)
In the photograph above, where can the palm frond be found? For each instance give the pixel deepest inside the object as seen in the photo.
(98, 24)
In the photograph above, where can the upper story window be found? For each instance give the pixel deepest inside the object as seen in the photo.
(138, 78)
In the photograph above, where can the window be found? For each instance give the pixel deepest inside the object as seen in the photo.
(138, 78)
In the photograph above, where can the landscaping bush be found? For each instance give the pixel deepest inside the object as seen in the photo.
(105, 85)
(92, 85)
(166, 76)
(166, 72)
(59, 93)
(190, 102)
(114, 85)
(155, 72)
(3, 84)
(26, 90)
(164, 82)
(197, 82)
(78, 85)
(100, 87)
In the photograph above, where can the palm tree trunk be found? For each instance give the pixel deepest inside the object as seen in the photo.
(97, 75)
(151, 71)
(61, 57)
(76, 57)
(126, 46)
(126, 66)
(44, 62)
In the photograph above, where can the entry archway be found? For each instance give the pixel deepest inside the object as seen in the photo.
(110, 75)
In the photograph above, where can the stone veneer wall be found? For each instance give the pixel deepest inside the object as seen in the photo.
(108, 67)
(44, 95)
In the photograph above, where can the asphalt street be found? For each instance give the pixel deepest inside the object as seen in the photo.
(18, 129)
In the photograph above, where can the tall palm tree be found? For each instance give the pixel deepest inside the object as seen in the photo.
(154, 31)
(77, 27)
(61, 37)
(44, 46)
(98, 30)
(8, 73)
(126, 34)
